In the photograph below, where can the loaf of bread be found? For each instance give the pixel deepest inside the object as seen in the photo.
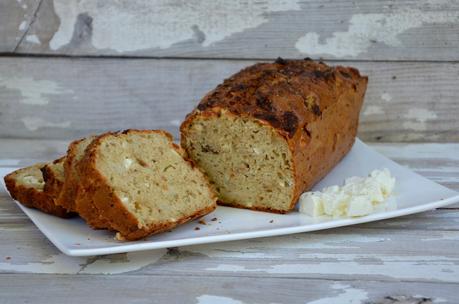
(273, 130)
(140, 182)
(28, 187)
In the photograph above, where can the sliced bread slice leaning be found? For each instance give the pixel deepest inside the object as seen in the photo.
(53, 175)
(71, 192)
(140, 181)
(27, 186)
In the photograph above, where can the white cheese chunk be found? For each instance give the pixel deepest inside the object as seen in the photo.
(358, 196)
(312, 205)
(385, 180)
(359, 205)
(32, 180)
(127, 162)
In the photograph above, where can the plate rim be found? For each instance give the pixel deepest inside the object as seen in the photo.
(131, 247)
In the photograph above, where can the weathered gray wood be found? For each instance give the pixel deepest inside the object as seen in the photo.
(69, 98)
(438, 162)
(15, 20)
(24, 152)
(383, 30)
(51, 289)
(405, 258)
(352, 253)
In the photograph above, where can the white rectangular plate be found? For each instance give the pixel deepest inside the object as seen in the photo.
(413, 193)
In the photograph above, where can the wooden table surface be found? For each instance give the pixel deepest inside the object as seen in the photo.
(70, 68)
(413, 257)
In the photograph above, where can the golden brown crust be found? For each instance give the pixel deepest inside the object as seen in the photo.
(139, 234)
(69, 190)
(314, 107)
(84, 199)
(31, 196)
(108, 204)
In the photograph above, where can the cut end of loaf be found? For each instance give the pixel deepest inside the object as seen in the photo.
(30, 177)
(247, 161)
(27, 186)
(149, 186)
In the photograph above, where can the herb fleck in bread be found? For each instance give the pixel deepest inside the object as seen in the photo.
(141, 183)
(273, 130)
(27, 186)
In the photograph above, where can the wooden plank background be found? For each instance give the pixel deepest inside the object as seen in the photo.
(409, 49)
(71, 97)
(365, 30)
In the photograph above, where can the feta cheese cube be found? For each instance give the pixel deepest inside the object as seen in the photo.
(359, 205)
(385, 180)
(311, 204)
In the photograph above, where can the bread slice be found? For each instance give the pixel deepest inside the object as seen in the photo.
(140, 182)
(53, 175)
(273, 130)
(69, 195)
(27, 186)
(69, 191)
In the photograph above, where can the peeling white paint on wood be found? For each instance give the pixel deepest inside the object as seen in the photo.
(421, 115)
(32, 39)
(35, 123)
(422, 152)
(373, 110)
(417, 118)
(140, 25)
(386, 97)
(347, 295)
(368, 29)
(63, 264)
(211, 299)
(443, 235)
(23, 25)
(421, 268)
(33, 91)
(259, 248)
(152, 93)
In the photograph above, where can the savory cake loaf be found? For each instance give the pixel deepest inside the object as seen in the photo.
(273, 130)
(27, 186)
(141, 183)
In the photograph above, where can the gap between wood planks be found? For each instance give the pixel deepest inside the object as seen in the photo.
(134, 275)
(143, 57)
(29, 26)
